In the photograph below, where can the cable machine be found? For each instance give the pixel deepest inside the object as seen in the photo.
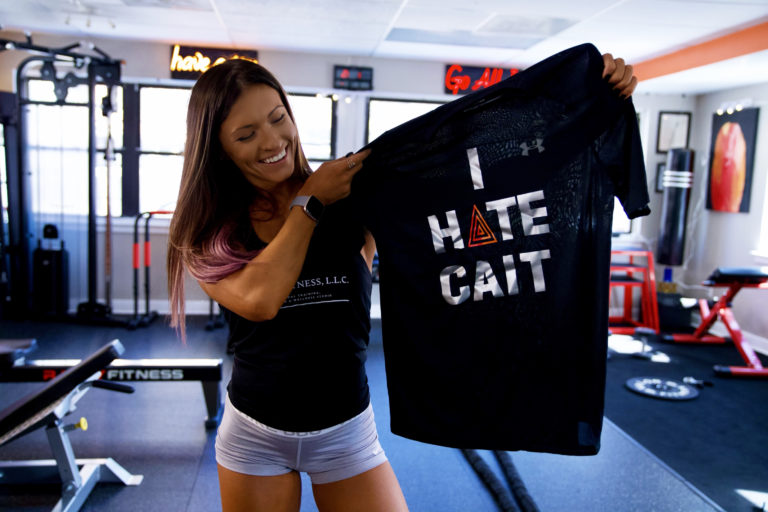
(9, 121)
(101, 69)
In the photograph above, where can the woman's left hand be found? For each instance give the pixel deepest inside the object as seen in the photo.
(620, 75)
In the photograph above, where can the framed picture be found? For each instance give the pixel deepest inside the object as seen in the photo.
(731, 158)
(674, 131)
(660, 168)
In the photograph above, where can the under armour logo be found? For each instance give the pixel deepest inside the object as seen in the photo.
(536, 145)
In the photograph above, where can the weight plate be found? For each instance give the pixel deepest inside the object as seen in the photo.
(665, 389)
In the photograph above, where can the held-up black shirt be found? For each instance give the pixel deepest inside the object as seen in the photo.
(492, 218)
(304, 370)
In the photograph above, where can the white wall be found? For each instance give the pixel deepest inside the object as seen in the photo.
(715, 239)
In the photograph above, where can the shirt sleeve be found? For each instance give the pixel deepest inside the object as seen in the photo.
(620, 151)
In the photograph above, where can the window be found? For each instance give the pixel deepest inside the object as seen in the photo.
(384, 114)
(761, 252)
(57, 155)
(622, 225)
(163, 114)
(3, 191)
(314, 119)
(159, 179)
(162, 132)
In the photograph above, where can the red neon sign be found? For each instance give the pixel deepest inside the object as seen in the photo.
(465, 79)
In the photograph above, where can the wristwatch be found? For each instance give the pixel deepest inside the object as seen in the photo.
(311, 206)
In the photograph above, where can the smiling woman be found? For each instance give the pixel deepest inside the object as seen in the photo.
(279, 249)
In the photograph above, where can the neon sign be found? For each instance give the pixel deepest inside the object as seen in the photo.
(465, 79)
(190, 62)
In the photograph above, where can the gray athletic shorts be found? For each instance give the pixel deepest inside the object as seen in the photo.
(342, 451)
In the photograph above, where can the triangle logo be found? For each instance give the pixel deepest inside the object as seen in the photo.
(479, 231)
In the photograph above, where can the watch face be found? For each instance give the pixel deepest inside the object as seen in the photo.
(314, 208)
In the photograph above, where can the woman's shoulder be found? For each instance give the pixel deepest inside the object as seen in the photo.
(245, 234)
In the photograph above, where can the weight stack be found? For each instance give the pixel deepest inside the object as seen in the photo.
(51, 282)
(677, 181)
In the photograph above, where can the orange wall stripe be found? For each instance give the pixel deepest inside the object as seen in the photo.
(736, 44)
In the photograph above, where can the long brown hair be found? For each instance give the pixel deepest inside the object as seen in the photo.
(214, 197)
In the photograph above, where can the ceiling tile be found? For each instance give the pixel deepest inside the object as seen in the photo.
(681, 13)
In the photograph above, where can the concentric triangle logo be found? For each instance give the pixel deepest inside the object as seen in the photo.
(479, 232)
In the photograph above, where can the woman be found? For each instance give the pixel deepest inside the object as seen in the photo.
(277, 248)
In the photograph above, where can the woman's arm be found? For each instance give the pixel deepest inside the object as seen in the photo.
(258, 290)
(369, 249)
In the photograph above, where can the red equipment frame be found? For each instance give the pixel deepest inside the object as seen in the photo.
(142, 320)
(622, 277)
(722, 310)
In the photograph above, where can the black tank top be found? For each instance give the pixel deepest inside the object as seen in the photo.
(304, 370)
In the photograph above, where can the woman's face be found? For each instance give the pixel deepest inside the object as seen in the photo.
(259, 137)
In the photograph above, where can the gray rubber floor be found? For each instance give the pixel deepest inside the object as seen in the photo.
(159, 432)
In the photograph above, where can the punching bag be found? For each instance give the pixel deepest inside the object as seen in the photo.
(677, 182)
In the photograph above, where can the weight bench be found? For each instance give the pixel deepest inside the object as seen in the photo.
(734, 278)
(13, 351)
(47, 408)
(15, 368)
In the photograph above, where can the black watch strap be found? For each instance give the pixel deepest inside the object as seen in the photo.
(311, 205)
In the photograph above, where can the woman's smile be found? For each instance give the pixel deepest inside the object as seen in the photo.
(275, 159)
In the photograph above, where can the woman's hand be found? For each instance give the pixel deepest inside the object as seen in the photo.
(620, 75)
(333, 179)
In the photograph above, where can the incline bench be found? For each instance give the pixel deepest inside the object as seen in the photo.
(14, 368)
(47, 408)
(734, 278)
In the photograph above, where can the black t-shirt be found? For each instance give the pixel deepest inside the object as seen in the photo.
(492, 219)
(304, 370)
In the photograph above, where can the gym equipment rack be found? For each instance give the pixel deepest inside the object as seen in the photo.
(149, 316)
(101, 68)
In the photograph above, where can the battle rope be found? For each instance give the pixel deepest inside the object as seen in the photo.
(519, 491)
(517, 501)
(501, 495)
